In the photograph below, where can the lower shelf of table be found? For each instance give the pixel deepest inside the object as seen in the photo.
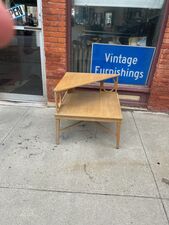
(90, 106)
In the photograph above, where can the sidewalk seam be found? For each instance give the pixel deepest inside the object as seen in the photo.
(81, 193)
(149, 164)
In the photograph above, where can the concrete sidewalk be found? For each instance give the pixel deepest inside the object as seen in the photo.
(84, 180)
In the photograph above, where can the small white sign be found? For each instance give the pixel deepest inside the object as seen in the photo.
(17, 12)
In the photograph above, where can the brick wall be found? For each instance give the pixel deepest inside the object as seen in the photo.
(159, 96)
(54, 24)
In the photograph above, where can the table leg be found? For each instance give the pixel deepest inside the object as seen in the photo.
(118, 124)
(57, 131)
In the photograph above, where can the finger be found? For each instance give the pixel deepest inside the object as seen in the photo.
(6, 26)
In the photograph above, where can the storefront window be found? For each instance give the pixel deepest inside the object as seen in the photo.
(131, 23)
(20, 62)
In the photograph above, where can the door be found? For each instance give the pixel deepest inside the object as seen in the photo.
(21, 68)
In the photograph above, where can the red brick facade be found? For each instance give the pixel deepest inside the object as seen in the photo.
(54, 24)
(159, 94)
(55, 38)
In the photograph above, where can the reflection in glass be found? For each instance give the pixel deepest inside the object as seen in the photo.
(20, 67)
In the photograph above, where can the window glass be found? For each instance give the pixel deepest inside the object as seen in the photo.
(135, 23)
(20, 65)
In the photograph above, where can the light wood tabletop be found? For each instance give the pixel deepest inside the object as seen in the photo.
(73, 80)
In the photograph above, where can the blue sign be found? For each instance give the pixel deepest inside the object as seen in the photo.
(132, 63)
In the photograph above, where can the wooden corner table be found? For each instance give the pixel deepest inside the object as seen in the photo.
(87, 105)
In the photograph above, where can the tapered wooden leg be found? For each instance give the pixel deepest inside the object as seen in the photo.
(118, 124)
(57, 131)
